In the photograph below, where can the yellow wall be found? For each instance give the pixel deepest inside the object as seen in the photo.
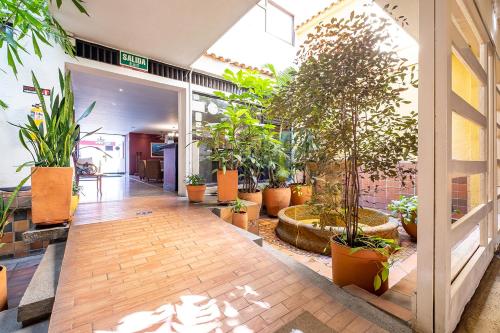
(468, 138)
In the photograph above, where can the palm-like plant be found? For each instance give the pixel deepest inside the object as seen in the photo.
(52, 142)
(5, 207)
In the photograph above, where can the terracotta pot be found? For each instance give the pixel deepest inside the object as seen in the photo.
(227, 185)
(75, 199)
(411, 229)
(3, 288)
(51, 190)
(358, 268)
(240, 220)
(276, 199)
(252, 197)
(300, 194)
(196, 193)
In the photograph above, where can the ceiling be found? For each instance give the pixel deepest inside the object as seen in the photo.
(123, 106)
(174, 31)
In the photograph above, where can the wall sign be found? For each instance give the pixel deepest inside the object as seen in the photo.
(134, 61)
(32, 90)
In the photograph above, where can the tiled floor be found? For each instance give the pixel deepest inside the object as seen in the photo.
(19, 274)
(179, 269)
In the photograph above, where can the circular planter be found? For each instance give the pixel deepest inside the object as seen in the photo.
(295, 227)
(3, 288)
(275, 199)
(196, 193)
(358, 268)
(240, 220)
(300, 194)
(411, 229)
(227, 185)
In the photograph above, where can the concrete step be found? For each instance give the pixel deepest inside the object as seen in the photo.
(9, 324)
(36, 304)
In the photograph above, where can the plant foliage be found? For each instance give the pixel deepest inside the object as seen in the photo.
(5, 206)
(33, 19)
(347, 93)
(52, 142)
(194, 180)
(406, 208)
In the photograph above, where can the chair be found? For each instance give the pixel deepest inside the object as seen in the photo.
(153, 170)
(84, 168)
(141, 169)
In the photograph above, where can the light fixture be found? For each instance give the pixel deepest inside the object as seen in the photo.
(121, 90)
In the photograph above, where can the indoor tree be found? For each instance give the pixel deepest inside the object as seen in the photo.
(348, 92)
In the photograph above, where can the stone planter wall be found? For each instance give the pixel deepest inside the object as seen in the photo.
(19, 222)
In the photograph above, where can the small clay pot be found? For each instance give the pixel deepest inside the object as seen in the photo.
(227, 185)
(196, 193)
(300, 194)
(358, 268)
(411, 229)
(240, 220)
(3, 288)
(251, 196)
(275, 199)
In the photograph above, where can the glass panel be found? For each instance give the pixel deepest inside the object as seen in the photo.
(464, 83)
(205, 109)
(463, 250)
(279, 23)
(467, 193)
(109, 158)
(467, 139)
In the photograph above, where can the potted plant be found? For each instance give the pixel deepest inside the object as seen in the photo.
(353, 113)
(406, 209)
(240, 216)
(303, 156)
(195, 185)
(75, 197)
(5, 212)
(51, 145)
(277, 194)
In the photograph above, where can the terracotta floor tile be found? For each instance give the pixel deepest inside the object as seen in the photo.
(180, 265)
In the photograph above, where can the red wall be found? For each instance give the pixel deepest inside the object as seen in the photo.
(140, 142)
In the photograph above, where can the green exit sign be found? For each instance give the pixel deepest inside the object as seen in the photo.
(134, 61)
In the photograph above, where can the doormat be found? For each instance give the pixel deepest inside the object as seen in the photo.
(305, 323)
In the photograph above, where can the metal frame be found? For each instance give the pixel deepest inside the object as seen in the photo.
(441, 293)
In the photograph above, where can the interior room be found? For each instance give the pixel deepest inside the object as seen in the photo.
(130, 141)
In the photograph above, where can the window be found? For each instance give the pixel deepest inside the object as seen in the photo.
(279, 22)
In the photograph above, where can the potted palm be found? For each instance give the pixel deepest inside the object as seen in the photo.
(51, 145)
(6, 211)
(406, 209)
(347, 91)
(195, 185)
(240, 216)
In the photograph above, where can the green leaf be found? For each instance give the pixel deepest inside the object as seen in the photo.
(377, 282)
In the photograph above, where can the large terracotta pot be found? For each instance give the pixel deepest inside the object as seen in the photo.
(3, 288)
(252, 197)
(411, 229)
(240, 220)
(196, 193)
(227, 185)
(300, 194)
(276, 199)
(358, 268)
(51, 190)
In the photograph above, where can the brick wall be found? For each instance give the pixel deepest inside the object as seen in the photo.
(19, 222)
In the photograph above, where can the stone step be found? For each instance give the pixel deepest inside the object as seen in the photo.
(9, 324)
(381, 303)
(36, 304)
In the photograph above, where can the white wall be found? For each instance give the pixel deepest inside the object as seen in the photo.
(11, 92)
(247, 42)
